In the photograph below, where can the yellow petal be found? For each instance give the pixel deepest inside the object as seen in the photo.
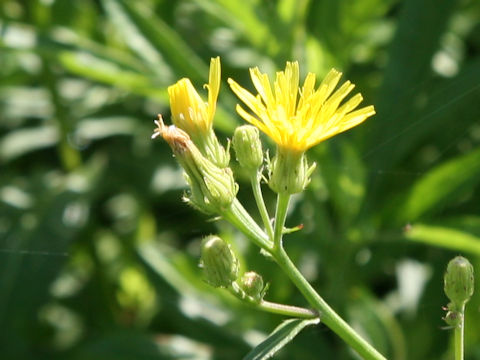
(298, 122)
(213, 86)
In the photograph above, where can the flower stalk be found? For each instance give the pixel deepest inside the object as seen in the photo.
(459, 336)
(458, 284)
(262, 208)
(328, 316)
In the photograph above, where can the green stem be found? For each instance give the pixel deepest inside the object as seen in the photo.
(283, 200)
(262, 209)
(241, 219)
(459, 331)
(271, 307)
(328, 316)
(287, 310)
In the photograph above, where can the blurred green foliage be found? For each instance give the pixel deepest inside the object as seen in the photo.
(98, 255)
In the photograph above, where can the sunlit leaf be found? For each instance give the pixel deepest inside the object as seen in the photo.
(441, 185)
(152, 39)
(23, 141)
(445, 237)
(85, 64)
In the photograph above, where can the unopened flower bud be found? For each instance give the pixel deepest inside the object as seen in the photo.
(252, 284)
(458, 281)
(289, 172)
(219, 263)
(248, 147)
(213, 189)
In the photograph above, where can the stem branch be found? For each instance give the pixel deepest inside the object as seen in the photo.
(271, 307)
(327, 314)
(283, 200)
(287, 310)
(459, 331)
(241, 219)
(257, 193)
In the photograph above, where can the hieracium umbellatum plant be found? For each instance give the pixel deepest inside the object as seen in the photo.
(295, 118)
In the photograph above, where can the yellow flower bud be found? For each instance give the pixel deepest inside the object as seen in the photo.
(194, 116)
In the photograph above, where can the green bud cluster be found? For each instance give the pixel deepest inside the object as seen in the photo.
(220, 265)
(252, 284)
(453, 317)
(248, 147)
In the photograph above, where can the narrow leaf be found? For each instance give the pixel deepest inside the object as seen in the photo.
(243, 16)
(108, 72)
(445, 237)
(153, 40)
(280, 337)
(406, 76)
(441, 185)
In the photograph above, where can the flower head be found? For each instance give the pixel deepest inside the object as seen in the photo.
(191, 114)
(189, 111)
(212, 189)
(299, 119)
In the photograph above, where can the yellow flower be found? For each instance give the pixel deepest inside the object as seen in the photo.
(191, 114)
(297, 120)
(189, 111)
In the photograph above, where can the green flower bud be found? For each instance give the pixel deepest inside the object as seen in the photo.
(453, 318)
(289, 172)
(458, 281)
(219, 263)
(252, 284)
(214, 151)
(248, 147)
(213, 189)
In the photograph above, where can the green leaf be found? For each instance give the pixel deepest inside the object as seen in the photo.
(337, 27)
(344, 174)
(152, 39)
(376, 321)
(196, 313)
(444, 237)
(440, 186)
(244, 17)
(132, 345)
(32, 256)
(406, 78)
(280, 337)
(22, 141)
(92, 67)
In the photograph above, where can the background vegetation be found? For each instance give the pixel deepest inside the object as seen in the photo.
(98, 255)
